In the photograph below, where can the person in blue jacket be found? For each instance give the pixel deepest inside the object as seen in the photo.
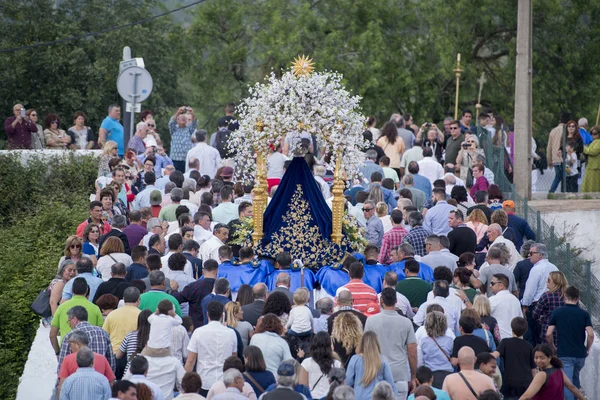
(403, 253)
(244, 271)
(374, 272)
(331, 277)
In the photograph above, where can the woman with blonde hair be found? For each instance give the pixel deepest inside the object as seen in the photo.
(109, 150)
(376, 194)
(233, 319)
(484, 309)
(557, 283)
(346, 335)
(478, 222)
(392, 145)
(112, 252)
(72, 250)
(435, 349)
(368, 367)
(381, 209)
(467, 154)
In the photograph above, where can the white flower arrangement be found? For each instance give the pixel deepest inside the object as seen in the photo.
(297, 106)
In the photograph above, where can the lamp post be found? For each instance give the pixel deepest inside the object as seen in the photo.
(457, 72)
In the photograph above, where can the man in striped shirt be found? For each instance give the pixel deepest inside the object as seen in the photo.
(364, 296)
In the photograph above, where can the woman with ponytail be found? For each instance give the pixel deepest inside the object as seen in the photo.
(549, 383)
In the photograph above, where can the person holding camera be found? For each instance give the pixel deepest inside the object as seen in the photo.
(181, 134)
(468, 153)
(19, 129)
(434, 139)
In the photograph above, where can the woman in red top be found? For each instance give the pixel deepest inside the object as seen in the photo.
(549, 383)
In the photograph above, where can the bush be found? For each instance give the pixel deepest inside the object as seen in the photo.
(40, 205)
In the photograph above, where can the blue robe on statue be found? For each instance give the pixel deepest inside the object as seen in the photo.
(425, 271)
(374, 272)
(238, 274)
(298, 220)
(295, 279)
(332, 277)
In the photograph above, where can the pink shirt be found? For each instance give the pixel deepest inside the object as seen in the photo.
(101, 365)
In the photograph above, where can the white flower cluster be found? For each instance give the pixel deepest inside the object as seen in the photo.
(295, 107)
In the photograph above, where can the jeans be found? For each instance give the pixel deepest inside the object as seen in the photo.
(572, 366)
(558, 173)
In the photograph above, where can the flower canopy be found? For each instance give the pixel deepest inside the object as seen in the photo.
(299, 104)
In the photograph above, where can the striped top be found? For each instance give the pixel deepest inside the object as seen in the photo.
(128, 346)
(363, 295)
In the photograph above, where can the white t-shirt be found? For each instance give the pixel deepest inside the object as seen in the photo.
(300, 320)
(320, 389)
(275, 163)
(160, 330)
(106, 262)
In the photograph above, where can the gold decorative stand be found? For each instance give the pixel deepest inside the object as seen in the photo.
(457, 73)
(337, 203)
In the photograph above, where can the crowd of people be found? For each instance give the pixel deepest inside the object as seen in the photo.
(156, 297)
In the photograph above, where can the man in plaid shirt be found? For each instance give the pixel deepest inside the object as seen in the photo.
(99, 340)
(392, 238)
(417, 235)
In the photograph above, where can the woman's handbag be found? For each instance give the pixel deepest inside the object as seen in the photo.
(41, 304)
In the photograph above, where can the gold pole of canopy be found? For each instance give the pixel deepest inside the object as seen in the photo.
(337, 203)
(260, 192)
(457, 73)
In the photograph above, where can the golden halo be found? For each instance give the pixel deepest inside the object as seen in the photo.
(303, 66)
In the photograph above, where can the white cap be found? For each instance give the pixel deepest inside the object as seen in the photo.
(150, 141)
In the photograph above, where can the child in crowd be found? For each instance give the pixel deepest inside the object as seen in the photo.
(384, 163)
(188, 324)
(300, 322)
(572, 168)
(161, 322)
(517, 357)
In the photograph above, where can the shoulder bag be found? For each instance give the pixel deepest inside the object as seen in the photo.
(255, 383)
(442, 350)
(468, 384)
(41, 304)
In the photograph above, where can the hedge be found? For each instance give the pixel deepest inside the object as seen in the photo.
(41, 204)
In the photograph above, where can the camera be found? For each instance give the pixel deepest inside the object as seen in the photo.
(428, 125)
(465, 145)
(23, 112)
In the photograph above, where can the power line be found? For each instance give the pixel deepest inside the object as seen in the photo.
(90, 34)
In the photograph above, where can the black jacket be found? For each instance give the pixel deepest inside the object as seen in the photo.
(253, 311)
(118, 234)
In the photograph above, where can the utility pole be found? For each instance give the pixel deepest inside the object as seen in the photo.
(523, 90)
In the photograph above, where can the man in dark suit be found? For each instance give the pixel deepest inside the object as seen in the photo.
(119, 222)
(191, 248)
(344, 301)
(254, 310)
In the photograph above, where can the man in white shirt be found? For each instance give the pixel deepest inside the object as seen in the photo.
(202, 229)
(210, 346)
(505, 306)
(175, 246)
(275, 163)
(142, 199)
(429, 167)
(454, 299)
(193, 164)
(139, 369)
(227, 210)
(538, 276)
(161, 182)
(440, 296)
(402, 303)
(209, 158)
(210, 249)
(494, 234)
(164, 371)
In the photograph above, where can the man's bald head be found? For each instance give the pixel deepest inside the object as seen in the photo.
(344, 298)
(283, 279)
(494, 231)
(466, 358)
(259, 291)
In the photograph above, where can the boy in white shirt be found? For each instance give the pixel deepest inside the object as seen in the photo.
(300, 321)
(161, 323)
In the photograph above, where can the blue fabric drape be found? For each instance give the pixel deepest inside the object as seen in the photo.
(298, 220)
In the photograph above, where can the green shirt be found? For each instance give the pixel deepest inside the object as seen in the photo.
(60, 319)
(391, 174)
(414, 289)
(453, 148)
(168, 213)
(150, 300)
